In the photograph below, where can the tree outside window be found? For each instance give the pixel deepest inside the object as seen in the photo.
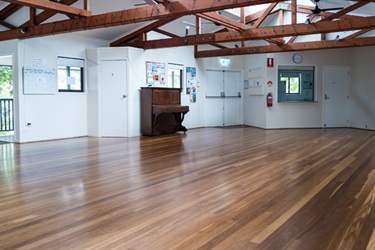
(6, 85)
(292, 85)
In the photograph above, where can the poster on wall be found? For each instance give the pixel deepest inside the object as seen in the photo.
(191, 83)
(155, 73)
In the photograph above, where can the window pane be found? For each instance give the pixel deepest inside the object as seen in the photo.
(75, 78)
(61, 77)
(70, 74)
(174, 77)
(294, 85)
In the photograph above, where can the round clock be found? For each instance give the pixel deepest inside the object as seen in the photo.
(297, 58)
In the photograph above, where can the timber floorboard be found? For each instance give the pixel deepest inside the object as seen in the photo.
(213, 188)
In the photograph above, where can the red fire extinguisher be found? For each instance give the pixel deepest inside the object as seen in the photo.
(269, 100)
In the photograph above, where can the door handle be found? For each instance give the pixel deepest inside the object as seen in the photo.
(326, 97)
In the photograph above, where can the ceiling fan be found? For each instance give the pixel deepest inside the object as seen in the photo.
(317, 10)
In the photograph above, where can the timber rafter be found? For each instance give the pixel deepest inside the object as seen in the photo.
(161, 12)
(316, 45)
(263, 33)
(47, 5)
(147, 13)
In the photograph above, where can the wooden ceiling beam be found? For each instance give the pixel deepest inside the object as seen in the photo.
(173, 35)
(32, 15)
(294, 11)
(7, 25)
(147, 13)
(47, 5)
(86, 4)
(9, 10)
(263, 33)
(143, 30)
(166, 33)
(43, 16)
(223, 20)
(318, 45)
(264, 15)
(345, 11)
(358, 33)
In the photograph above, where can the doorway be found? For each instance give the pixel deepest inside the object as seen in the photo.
(6, 99)
(223, 98)
(113, 99)
(336, 81)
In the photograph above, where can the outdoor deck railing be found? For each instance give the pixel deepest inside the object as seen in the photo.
(6, 115)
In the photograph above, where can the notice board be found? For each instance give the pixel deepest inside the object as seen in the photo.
(256, 82)
(39, 81)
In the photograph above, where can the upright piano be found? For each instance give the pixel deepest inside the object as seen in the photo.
(161, 111)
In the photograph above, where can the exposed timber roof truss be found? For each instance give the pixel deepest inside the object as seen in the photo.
(250, 34)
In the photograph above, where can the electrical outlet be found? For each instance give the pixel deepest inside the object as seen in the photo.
(28, 124)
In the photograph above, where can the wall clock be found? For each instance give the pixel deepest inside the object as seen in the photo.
(297, 58)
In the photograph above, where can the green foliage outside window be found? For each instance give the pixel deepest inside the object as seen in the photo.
(6, 85)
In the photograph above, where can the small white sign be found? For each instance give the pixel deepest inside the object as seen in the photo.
(38, 63)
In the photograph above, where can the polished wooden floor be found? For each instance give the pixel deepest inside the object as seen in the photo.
(213, 188)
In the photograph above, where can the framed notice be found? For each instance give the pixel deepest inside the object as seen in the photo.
(155, 73)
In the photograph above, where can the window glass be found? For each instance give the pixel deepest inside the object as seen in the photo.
(296, 84)
(70, 74)
(175, 75)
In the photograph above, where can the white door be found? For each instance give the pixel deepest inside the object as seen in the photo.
(214, 101)
(232, 100)
(113, 102)
(223, 98)
(336, 94)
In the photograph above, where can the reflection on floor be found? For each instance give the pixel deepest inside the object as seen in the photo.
(5, 139)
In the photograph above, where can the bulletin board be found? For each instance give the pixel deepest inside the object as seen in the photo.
(39, 81)
(155, 73)
(256, 82)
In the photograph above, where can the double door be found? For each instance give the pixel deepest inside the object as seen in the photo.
(223, 98)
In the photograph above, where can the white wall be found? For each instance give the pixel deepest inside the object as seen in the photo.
(255, 106)
(61, 115)
(291, 115)
(362, 88)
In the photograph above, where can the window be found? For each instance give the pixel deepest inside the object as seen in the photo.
(175, 72)
(292, 84)
(70, 73)
(296, 84)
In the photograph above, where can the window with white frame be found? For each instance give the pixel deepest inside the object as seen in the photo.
(70, 74)
(175, 75)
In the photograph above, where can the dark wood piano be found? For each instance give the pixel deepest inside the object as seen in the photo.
(161, 111)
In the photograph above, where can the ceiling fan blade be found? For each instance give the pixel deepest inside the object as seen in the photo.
(340, 8)
(305, 8)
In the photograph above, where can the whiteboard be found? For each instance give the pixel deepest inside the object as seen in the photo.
(39, 81)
